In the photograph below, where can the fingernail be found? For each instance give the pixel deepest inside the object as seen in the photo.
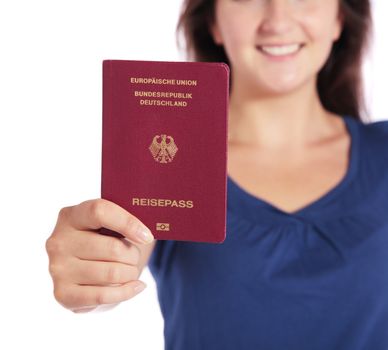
(144, 234)
(138, 288)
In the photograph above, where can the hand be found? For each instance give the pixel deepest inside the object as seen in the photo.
(89, 269)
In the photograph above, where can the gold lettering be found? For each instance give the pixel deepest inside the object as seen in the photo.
(160, 202)
(162, 81)
(163, 103)
(187, 82)
(159, 94)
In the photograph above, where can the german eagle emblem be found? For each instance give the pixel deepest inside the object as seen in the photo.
(162, 151)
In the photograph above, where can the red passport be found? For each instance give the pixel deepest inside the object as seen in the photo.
(164, 146)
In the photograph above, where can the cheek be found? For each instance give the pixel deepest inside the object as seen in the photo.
(322, 23)
(321, 42)
(234, 28)
(321, 32)
(235, 38)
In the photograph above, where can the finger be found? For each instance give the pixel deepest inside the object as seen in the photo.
(93, 246)
(75, 296)
(83, 309)
(105, 307)
(97, 273)
(97, 213)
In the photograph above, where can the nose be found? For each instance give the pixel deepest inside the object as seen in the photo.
(276, 17)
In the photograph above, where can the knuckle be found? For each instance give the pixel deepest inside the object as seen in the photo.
(136, 254)
(55, 270)
(98, 209)
(68, 297)
(136, 271)
(63, 214)
(54, 246)
(115, 248)
(102, 297)
(60, 294)
(113, 274)
(133, 273)
(132, 225)
(48, 245)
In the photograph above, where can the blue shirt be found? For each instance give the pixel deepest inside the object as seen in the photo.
(314, 279)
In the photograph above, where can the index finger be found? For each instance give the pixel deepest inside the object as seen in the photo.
(100, 213)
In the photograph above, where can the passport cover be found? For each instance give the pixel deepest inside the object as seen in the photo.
(164, 146)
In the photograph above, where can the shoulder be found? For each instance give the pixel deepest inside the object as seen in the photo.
(373, 133)
(379, 127)
(371, 155)
(372, 143)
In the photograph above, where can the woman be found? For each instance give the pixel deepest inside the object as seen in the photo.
(304, 264)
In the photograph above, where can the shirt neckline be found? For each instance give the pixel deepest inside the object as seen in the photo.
(306, 210)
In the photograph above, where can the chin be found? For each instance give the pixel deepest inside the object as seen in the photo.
(283, 86)
(286, 90)
(278, 89)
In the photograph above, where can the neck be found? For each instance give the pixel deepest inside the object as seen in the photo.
(288, 121)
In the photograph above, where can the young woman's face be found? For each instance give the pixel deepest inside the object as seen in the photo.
(275, 46)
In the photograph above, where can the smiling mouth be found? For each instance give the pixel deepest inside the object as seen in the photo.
(280, 50)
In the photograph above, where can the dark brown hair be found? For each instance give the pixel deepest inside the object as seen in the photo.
(340, 83)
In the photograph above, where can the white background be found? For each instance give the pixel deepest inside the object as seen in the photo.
(50, 143)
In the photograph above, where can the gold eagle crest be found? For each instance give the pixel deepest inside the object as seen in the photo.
(162, 151)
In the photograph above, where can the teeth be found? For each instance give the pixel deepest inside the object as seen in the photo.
(280, 50)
